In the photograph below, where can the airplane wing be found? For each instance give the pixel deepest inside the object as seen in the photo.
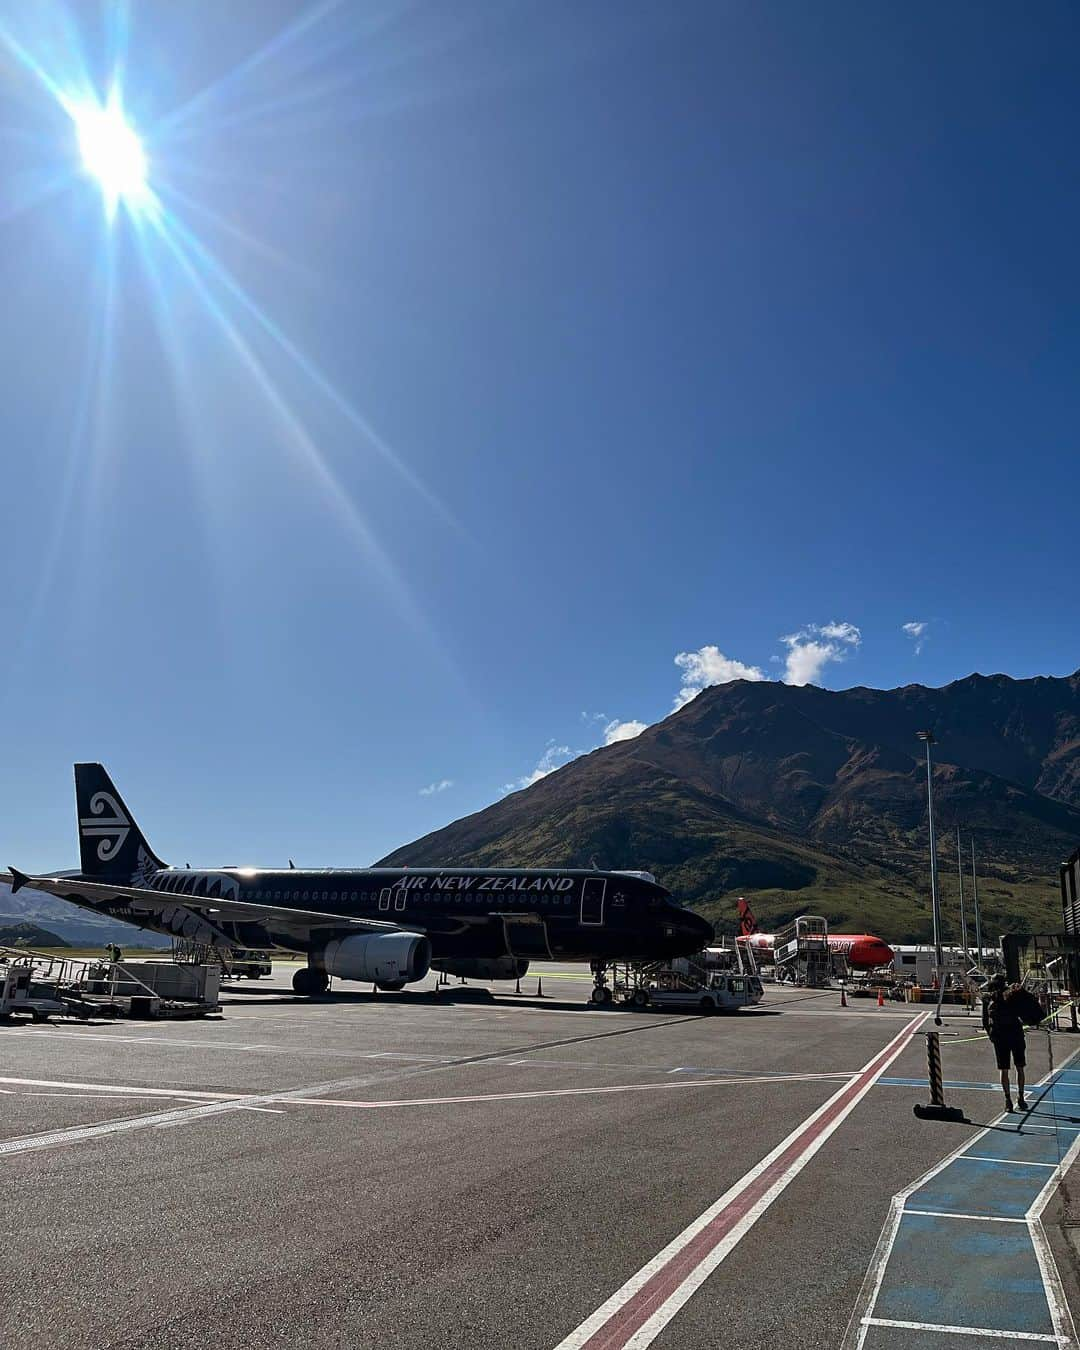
(158, 902)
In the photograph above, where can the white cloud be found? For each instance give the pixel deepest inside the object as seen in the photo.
(813, 647)
(708, 665)
(622, 731)
(916, 630)
(554, 757)
(840, 632)
(440, 786)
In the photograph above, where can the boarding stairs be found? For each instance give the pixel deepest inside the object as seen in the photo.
(801, 953)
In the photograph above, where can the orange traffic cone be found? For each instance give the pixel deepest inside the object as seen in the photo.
(880, 997)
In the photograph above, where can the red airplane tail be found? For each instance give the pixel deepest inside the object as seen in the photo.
(747, 922)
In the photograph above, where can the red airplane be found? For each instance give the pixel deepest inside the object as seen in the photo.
(864, 951)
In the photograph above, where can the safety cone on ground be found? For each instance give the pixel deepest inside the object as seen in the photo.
(843, 997)
(539, 987)
(517, 985)
(880, 997)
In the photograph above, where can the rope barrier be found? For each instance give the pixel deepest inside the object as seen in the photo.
(938, 1110)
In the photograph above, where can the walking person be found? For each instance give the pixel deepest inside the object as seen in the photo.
(1002, 1019)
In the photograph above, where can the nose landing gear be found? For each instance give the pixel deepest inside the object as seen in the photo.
(601, 994)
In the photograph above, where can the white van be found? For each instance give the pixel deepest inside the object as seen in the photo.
(721, 993)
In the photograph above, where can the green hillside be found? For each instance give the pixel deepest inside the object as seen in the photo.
(808, 800)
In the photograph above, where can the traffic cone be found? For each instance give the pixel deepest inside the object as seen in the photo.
(539, 987)
(843, 997)
(880, 997)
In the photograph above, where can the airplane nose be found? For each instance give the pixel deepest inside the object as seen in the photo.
(701, 930)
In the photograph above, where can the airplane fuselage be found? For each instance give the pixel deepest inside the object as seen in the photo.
(567, 914)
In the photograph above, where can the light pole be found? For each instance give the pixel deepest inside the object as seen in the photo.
(963, 917)
(929, 738)
(975, 899)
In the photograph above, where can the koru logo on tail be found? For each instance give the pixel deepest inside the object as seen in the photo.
(112, 830)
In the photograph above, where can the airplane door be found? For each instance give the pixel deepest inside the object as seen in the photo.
(526, 936)
(592, 900)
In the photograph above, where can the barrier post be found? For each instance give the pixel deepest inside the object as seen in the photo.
(843, 995)
(937, 1110)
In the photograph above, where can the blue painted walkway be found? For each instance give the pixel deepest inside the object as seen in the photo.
(963, 1261)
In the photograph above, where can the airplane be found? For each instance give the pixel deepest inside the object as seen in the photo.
(863, 951)
(384, 925)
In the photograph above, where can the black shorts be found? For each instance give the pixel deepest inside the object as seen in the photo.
(1013, 1047)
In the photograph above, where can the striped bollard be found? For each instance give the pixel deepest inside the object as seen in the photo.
(937, 1110)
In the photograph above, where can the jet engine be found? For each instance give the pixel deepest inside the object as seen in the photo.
(481, 968)
(384, 958)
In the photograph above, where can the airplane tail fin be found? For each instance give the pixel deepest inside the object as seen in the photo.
(111, 845)
(747, 922)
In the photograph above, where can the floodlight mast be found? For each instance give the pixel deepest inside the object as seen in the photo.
(975, 898)
(963, 917)
(929, 738)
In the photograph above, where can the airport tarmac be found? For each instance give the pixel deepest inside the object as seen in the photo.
(470, 1169)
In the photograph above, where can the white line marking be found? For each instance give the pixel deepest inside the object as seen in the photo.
(182, 1115)
(109, 1088)
(638, 1311)
(961, 1331)
(1012, 1162)
(362, 1104)
(952, 1214)
(1061, 1317)
(371, 1105)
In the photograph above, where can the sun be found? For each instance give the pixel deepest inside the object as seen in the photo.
(112, 154)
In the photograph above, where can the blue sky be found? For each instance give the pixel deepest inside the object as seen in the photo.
(488, 374)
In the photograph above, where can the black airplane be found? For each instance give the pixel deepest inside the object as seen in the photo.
(386, 925)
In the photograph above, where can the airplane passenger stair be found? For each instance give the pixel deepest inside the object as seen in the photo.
(801, 953)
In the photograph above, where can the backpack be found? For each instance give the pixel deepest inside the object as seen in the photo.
(1027, 1007)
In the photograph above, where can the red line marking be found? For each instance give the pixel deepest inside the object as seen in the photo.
(628, 1319)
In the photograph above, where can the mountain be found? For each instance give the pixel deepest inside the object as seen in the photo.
(79, 927)
(30, 935)
(810, 800)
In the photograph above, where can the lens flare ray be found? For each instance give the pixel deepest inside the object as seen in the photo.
(101, 144)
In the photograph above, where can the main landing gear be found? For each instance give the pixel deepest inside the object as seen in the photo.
(601, 994)
(309, 980)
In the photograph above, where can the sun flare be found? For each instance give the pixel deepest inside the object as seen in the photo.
(112, 154)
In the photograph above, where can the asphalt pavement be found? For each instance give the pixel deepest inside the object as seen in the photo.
(467, 1168)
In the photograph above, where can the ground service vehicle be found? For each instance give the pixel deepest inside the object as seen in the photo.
(720, 993)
